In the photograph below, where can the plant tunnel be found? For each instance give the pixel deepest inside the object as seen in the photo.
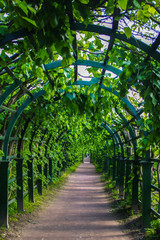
(80, 76)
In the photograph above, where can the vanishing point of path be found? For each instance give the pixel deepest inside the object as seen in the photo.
(79, 211)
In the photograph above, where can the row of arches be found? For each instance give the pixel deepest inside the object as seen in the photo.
(117, 142)
(119, 128)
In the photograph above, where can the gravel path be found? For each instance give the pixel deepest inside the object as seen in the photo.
(79, 211)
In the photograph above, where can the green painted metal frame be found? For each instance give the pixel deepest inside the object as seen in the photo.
(39, 180)
(131, 132)
(4, 165)
(4, 175)
(49, 160)
(20, 140)
(109, 89)
(125, 172)
(87, 63)
(116, 144)
(104, 125)
(12, 36)
(121, 167)
(19, 168)
(135, 163)
(119, 141)
(91, 28)
(14, 119)
(78, 27)
(120, 163)
(9, 90)
(89, 83)
(109, 32)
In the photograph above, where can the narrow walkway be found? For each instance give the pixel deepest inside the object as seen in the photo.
(80, 211)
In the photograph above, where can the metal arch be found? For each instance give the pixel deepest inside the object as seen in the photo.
(91, 28)
(132, 133)
(109, 32)
(47, 143)
(9, 91)
(125, 100)
(109, 89)
(14, 119)
(87, 63)
(15, 35)
(114, 145)
(20, 140)
(89, 83)
(120, 142)
(104, 125)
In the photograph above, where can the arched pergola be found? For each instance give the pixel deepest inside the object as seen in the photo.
(41, 74)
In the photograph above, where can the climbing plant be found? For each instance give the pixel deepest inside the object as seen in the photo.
(53, 109)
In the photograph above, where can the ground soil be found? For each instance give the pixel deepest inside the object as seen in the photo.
(81, 210)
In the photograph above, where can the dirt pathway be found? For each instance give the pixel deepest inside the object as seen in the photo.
(80, 211)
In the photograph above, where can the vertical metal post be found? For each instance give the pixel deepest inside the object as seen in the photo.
(19, 178)
(118, 171)
(146, 193)
(121, 178)
(30, 180)
(39, 181)
(127, 178)
(50, 171)
(4, 173)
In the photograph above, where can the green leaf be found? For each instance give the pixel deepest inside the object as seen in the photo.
(3, 30)
(145, 141)
(123, 4)
(1, 153)
(128, 32)
(54, 21)
(30, 21)
(110, 7)
(71, 96)
(84, 1)
(136, 4)
(93, 97)
(23, 6)
(98, 43)
(32, 9)
(154, 100)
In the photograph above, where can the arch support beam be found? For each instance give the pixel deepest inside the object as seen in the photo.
(14, 119)
(9, 91)
(4, 174)
(4, 164)
(109, 32)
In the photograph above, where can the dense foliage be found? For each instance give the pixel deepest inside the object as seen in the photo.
(68, 120)
(47, 26)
